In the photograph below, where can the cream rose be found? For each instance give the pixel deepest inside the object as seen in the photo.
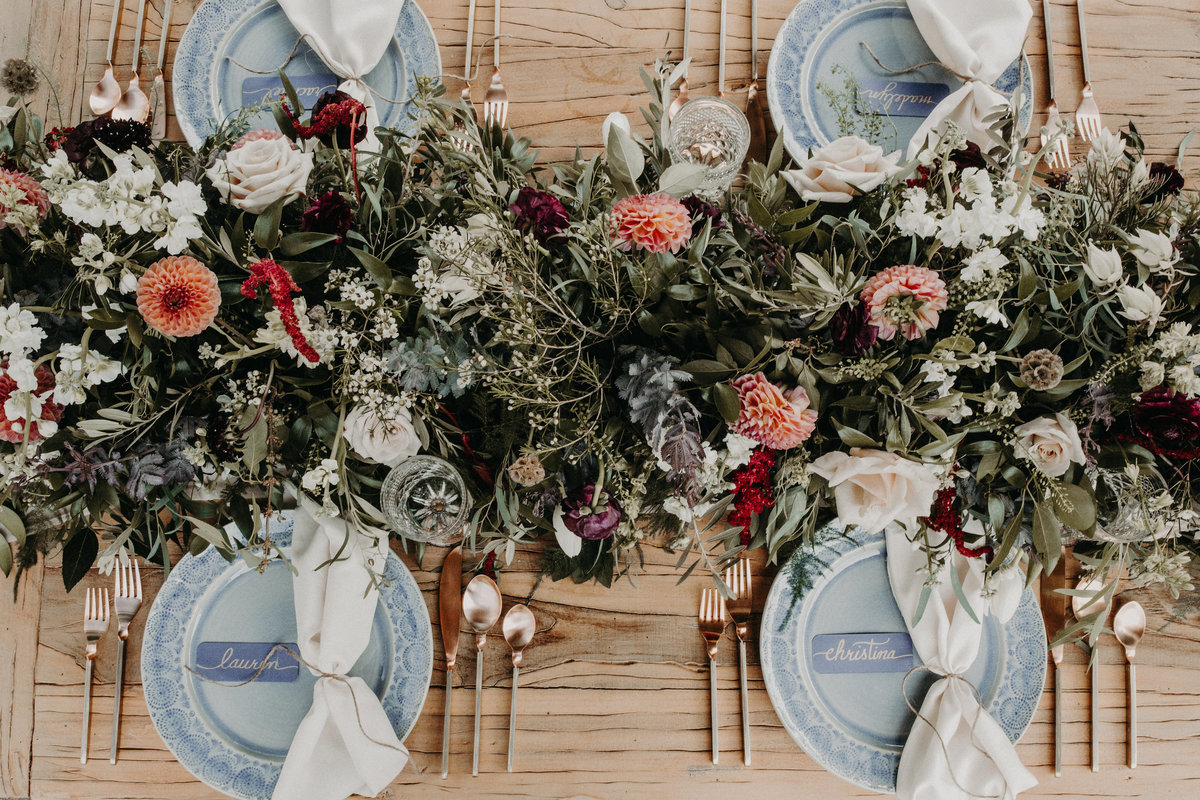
(873, 488)
(842, 169)
(1051, 443)
(261, 168)
(379, 440)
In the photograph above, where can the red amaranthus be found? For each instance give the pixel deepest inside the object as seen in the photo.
(752, 493)
(280, 285)
(946, 518)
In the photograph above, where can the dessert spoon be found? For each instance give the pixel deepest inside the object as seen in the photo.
(1129, 625)
(519, 627)
(1085, 606)
(134, 104)
(107, 92)
(481, 607)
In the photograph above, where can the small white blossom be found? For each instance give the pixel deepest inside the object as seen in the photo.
(1155, 251)
(1103, 267)
(1141, 304)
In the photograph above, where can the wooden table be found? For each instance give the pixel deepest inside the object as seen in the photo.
(614, 701)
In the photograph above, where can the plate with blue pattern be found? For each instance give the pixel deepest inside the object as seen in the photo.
(235, 737)
(232, 50)
(853, 721)
(821, 78)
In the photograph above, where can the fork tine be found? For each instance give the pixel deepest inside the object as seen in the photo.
(87, 605)
(137, 577)
(105, 616)
(720, 606)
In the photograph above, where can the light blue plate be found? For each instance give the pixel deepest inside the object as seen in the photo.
(227, 39)
(855, 725)
(822, 34)
(235, 739)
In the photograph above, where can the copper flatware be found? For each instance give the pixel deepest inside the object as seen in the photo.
(712, 626)
(1086, 606)
(1129, 625)
(740, 606)
(95, 623)
(449, 619)
(495, 102)
(134, 104)
(158, 117)
(681, 93)
(482, 604)
(107, 92)
(519, 628)
(1054, 613)
(127, 599)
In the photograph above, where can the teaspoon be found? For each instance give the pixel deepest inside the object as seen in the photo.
(134, 104)
(1129, 625)
(107, 91)
(481, 607)
(1085, 606)
(681, 94)
(519, 627)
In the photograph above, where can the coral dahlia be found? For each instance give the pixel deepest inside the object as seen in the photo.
(905, 299)
(771, 416)
(178, 296)
(655, 222)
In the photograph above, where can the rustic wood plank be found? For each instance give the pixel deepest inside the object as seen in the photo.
(19, 634)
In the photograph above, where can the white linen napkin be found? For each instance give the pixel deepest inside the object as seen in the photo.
(345, 744)
(977, 39)
(965, 755)
(350, 38)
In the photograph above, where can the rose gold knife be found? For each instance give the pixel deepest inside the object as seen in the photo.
(449, 619)
(1054, 614)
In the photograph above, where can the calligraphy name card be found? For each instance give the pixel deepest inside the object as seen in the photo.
(837, 653)
(261, 88)
(236, 662)
(900, 98)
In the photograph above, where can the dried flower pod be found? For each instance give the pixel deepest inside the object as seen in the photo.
(19, 77)
(1042, 370)
(527, 471)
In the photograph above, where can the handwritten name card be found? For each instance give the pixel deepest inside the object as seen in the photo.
(837, 653)
(240, 661)
(900, 98)
(261, 88)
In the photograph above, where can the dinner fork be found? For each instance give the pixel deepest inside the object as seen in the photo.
(95, 623)
(458, 136)
(127, 600)
(712, 626)
(740, 604)
(495, 102)
(1059, 158)
(1087, 115)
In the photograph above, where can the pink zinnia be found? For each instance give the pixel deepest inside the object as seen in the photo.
(905, 299)
(655, 222)
(178, 296)
(771, 416)
(34, 196)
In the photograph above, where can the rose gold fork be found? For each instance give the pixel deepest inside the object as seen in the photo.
(1087, 116)
(458, 136)
(1059, 157)
(740, 605)
(95, 623)
(127, 601)
(495, 102)
(712, 627)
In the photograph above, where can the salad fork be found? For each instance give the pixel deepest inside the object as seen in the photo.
(127, 601)
(740, 605)
(495, 102)
(1087, 115)
(712, 627)
(1059, 157)
(95, 623)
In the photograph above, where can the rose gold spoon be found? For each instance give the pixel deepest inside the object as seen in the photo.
(134, 104)
(519, 628)
(1129, 625)
(107, 92)
(481, 607)
(1085, 606)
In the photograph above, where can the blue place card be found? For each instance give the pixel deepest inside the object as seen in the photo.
(900, 98)
(837, 653)
(260, 88)
(235, 662)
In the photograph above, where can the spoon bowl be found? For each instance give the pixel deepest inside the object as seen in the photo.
(519, 627)
(1086, 606)
(1129, 624)
(481, 607)
(106, 93)
(134, 104)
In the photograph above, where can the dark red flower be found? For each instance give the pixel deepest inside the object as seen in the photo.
(852, 331)
(329, 213)
(1166, 180)
(946, 518)
(588, 519)
(335, 115)
(280, 284)
(119, 135)
(539, 213)
(969, 156)
(1170, 421)
(702, 211)
(752, 491)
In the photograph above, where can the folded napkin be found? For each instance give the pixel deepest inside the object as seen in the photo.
(955, 750)
(345, 744)
(350, 37)
(977, 39)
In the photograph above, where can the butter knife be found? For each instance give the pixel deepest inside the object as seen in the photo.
(1054, 614)
(449, 619)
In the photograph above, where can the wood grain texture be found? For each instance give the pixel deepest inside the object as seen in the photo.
(614, 697)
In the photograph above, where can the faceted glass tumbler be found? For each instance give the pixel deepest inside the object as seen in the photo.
(426, 500)
(714, 132)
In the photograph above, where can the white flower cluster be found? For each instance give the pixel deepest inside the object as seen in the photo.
(1178, 358)
(975, 218)
(712, 475)
(464, 264)
(19, 337)
(127, 199)
(79, 371)
(942, 369)
(320, 335)
(322, 477)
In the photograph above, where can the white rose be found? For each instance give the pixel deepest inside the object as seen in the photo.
(1103, 267)
(1155, 251)
(259, 170)
(873, 488)
(1051, 443)
(378, 440)
(1141, 304)
(841, 169)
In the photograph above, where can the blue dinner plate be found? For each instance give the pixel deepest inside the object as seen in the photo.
(854, 723)
(231, 52)
(819, 44)
(235, 738)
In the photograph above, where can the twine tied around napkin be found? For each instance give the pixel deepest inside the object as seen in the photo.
(350, 38)
(956, 751)
(976, 40)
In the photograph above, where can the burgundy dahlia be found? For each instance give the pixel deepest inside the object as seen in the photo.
(329, 213)
(539, 213)
(969, 156)
(119, 135)
(852, 331)
(590, 518)
(1168, 419)
(702, 211)
(1167, 182)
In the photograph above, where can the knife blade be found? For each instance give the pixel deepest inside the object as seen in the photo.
(1054, 614)
(449, 620)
